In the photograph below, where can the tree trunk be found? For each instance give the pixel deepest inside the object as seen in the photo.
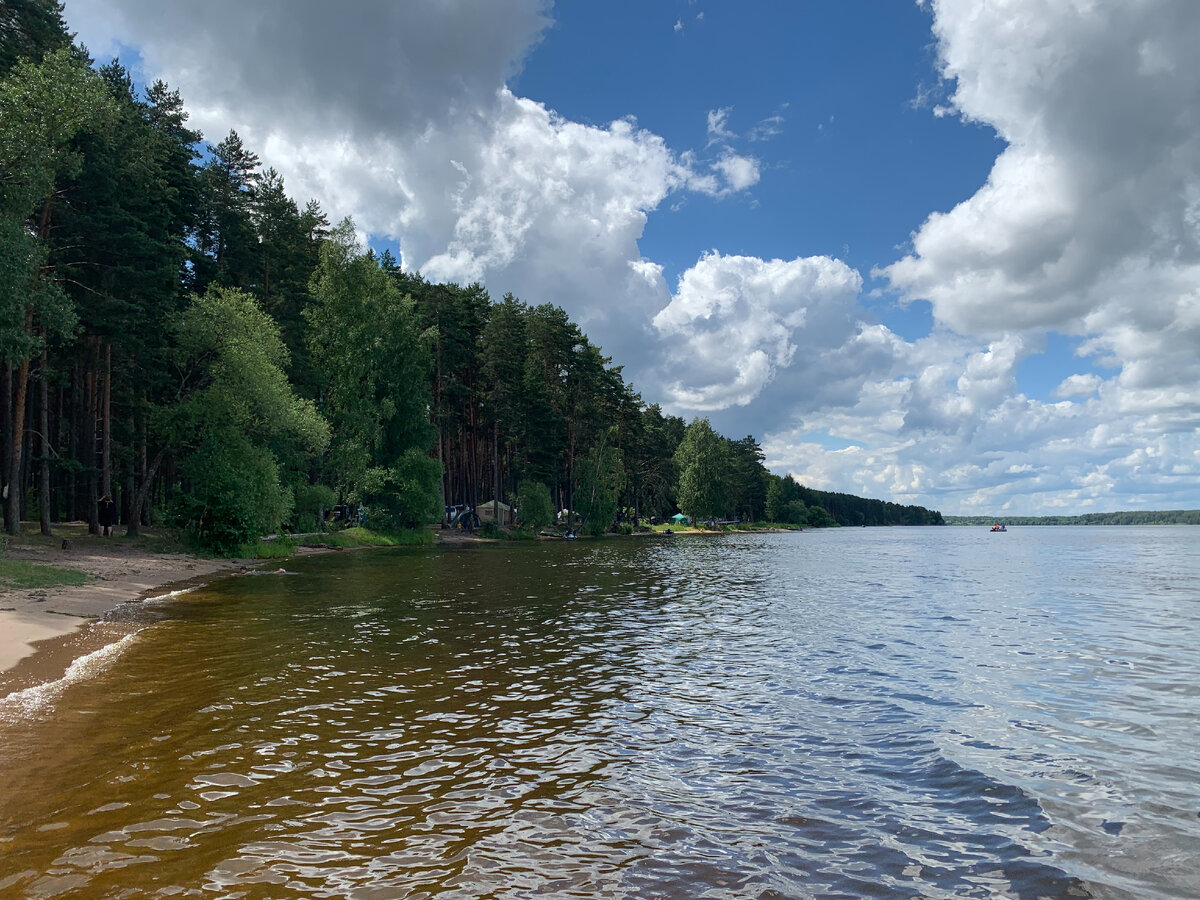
(44, 428)
(6, 386)
(106, 424)
(496, 473)
(143, 494)
(12, 509)
(90, 449)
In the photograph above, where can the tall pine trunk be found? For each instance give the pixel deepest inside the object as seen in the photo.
(106, 424)
(90, 447)
(12, 508)
(44, 503)
(496, 473)
(6, 386)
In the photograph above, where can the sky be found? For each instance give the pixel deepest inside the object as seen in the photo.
(943, 252)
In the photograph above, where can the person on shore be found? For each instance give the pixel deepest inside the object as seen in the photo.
(107, 515)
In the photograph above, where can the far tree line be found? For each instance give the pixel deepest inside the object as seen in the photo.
(178, 334)
(1127, 517)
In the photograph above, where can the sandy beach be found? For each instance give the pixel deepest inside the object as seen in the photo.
(118, 570)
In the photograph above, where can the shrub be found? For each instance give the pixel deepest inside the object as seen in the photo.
(533, 505)
(312, 500)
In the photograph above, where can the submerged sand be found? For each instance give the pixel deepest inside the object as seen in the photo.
(119, 570)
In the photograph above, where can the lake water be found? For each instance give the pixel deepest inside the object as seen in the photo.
(848, 713)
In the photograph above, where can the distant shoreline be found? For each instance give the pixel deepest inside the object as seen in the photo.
(1130, 517)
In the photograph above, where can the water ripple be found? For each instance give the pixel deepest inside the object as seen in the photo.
(887, 714)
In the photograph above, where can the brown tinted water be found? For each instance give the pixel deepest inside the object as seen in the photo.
(867, 712)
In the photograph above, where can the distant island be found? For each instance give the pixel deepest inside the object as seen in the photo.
(1132, 517)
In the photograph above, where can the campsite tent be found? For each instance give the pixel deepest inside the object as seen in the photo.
(680, 519)
(486, 513)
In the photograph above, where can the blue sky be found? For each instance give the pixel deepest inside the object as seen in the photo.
(942, 252)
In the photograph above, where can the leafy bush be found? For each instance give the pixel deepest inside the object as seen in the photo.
(534, 506)
(405, 495)
(795, 513)
(235, 494)
(818, 517)
(490, 530)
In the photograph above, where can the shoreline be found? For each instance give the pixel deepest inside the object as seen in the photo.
(42, 630)
(119, 571)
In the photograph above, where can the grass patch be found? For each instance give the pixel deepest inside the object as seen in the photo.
(17, 575)
(364, 537)
(280, 547)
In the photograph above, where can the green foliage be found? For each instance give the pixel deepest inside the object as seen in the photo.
(43, 108)
(596, 498)
(29, 29)
(796, 513)
(231, 427)
(491, 531)
(365, 339)
(534, 506)
(233, 494)
(748, 490)
(404, 495)
(703, 462)
(818, 517)
(279, 548)
(364, 537)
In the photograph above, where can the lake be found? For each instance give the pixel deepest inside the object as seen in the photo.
(889, 712)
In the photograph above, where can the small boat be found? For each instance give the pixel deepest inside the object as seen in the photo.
(999, 526)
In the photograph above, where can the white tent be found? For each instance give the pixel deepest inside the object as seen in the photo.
(487, 513)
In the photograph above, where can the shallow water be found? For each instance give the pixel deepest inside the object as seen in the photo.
(853, 713)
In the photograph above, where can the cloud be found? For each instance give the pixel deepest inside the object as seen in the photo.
(1088, 224)
(768, 128)
(734, 321)
(1096, 196)
(740, 172)
(718, 125)
(1078, 386)
(365, 69)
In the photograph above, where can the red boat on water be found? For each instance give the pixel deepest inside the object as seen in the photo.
(999, 527)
